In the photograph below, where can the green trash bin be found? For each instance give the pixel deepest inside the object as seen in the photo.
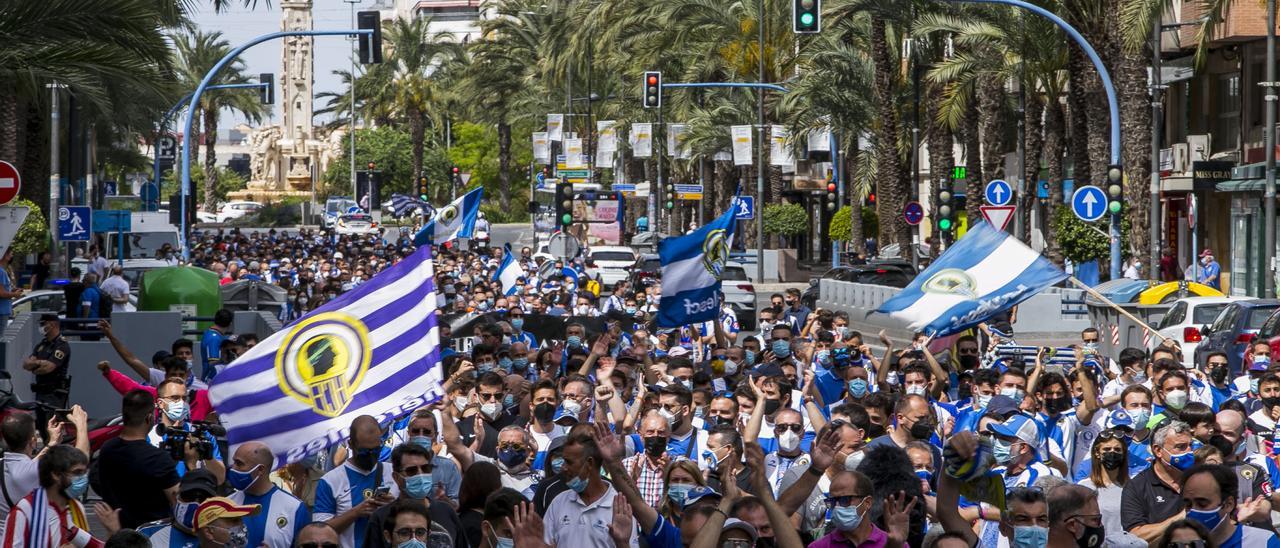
(190, 290)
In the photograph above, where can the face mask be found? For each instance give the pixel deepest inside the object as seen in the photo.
(1015, 394)
(412, 543)
(853, 461)
(513, 457)
(241, 480)
(924, 475)
(460, 402)
(968, 362)
(781, 348)
(789, 441)
(823, 357)
(1140, 377)
(1176, 399)
(544, 412)
(574, 341)
(505, 364)
(520, 364)
(655, 446)
(875, 430)
(1270, 402)
(79, 484)
(858, 388)
(1002, 451)
(892, 378)
(1182, 461)
(557, 464)
(517, 323)
(238, 537)
(771, 406)
(485, 367)
(365, 459)
(711, 460)
(632, 310)
(176, 411)
(677, 492)
(1139, 416)
(923, 429)
(421, 441)
(687, 384)
(418, 487)
(184, 515)
(983, 400)
(916, 389)
(1030, 536)
(1057, 405)
(673, 421)
(846, 518)
(1209, 518)
(572, 407)
(750, 357)
(491, 409)
(730, 368)
(1112, 460)
(1218, 375)
(577, 484)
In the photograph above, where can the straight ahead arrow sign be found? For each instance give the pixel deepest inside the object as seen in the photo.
(997, 216)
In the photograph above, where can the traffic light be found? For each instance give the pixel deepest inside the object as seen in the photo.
(671, 197)
(870, 200)
(833, 201)
(455, 176)
(267, 90)
(1115, 188)
(564, 204)
(422, 188)
(946, 207)
(370, 44)
(806, 16)
(652, 89)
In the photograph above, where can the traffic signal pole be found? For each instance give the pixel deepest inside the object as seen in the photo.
(1113, 104)
(207, 82)
(164, 123)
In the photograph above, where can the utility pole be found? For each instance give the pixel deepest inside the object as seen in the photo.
(760, 151)
(55, 175)
(353, 99)
(1269, 196)
(1157, 121)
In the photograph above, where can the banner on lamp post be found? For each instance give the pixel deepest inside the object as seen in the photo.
(741, 137)
(676, 147)
(573, 153)
(779, 152)
(642, 140)
(555, 127)
(607, 136)
(541, 148)
(820, 140)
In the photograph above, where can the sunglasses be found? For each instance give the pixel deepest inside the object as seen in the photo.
(792, 427)
(318, 545)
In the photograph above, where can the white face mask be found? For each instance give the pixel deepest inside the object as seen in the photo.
(572, 407)
(1176, 399)
(789, 441)
(917, 389)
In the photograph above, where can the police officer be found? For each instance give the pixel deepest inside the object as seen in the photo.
(49, 364)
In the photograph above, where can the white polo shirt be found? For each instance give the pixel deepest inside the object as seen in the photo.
(571, 522)
(21, 477)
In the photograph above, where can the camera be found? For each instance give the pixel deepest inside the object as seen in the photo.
(175, 440)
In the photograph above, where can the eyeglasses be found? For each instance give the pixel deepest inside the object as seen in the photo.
(1189, 544)
(318, 545)
(967, 351)
(846, 500)
(797, 428)
(495, 396)
(410, 471)
(1113, 434)
(405, 532)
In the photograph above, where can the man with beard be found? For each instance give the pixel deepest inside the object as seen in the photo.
(914, 421)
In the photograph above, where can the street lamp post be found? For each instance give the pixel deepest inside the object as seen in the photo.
(164, 122)
(352, 128)
(1269, 195)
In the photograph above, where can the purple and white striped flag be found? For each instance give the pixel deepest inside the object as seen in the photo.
(372, 351)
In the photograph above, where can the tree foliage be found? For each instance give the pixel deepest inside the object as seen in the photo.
(1081, 241)
(839, 228)
(33, 235)
(785, 220)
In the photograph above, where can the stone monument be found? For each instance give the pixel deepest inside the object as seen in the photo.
(285, 159)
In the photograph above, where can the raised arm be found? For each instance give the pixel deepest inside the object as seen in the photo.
(453, 439)
(611, 453)
(134, 363)
(752, 432)
(1089, 401)
(821, 454)
(940, 376)
(785, 535)
(949, 496)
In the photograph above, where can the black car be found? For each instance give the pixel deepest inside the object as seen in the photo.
(886, 274)
(646, 272)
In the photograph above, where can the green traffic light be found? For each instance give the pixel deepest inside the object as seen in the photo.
(566, 219)
(944, 224)
(806, 19)
(1114, 207)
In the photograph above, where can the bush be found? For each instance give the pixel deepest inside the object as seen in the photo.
(33, 235)
(494, 213)
(785, 220)
(839, 228)
(1081, 241)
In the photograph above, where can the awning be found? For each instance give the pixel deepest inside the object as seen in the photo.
(1242, 185)
(1176, 183)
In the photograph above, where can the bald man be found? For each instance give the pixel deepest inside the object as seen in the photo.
(347, 495)
(316, 533)
(282, 516)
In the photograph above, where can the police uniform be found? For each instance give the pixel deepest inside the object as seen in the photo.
(52, 388)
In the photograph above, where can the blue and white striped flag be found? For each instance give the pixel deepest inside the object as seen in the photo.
(372, 351)
(402, 205)
(691, 269)
(509, 272)
(456, 220)
(984, 273)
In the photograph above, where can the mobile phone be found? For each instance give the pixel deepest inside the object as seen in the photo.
(382, 490)
(63, 415)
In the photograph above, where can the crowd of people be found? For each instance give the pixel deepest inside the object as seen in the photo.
(603, 429)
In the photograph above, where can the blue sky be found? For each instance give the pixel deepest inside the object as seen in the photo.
(240, 24)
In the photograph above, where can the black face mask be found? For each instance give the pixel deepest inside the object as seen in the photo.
(1092, 537)
(365, 459)
(1218, 375)
(1270, 402)
(1057, 405)
(922, 429)
(968, 362)
(874, 430)
(771, 406)
(1111, 460)
(655, 446)
(543, 412)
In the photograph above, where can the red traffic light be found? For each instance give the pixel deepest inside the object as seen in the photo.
(653, 80)
(455, 170)
(831, 187)
(371, 166)
(871, 197)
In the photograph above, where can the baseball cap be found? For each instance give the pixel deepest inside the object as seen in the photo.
(1119, 419)
(217, 508)
(1018, 426)
(561, 413)
(732, 524)
(1207, 252)
(199, 480)
(1001, 406)
(48, 318)
(678, 351)
(698, 493)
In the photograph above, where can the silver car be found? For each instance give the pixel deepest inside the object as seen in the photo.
(740, 295)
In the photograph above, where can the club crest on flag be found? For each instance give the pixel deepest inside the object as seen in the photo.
(322, 361)
(952, 281)
(715, 252)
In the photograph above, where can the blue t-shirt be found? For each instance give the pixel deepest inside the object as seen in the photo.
(664, 535)
(6, 305)
(90, 298)
(210, 349)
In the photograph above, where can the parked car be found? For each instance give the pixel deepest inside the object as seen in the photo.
(356, 223)
(612, 263)
(50, 300)
(335, 207)
(647, 271)
(1234, 328)
(876, 274)
(236, 210)
(740, 294)
(1185, 318)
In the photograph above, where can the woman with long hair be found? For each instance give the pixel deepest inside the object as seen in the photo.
(679, 477)
(1108, 473)
(1186, 533)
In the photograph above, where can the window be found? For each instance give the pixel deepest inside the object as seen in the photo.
(1225, 319)
(1205, 313)
(1258, 315)
(1175, 316)
(1226, 99)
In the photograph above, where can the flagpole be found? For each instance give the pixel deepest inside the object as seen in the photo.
(1117, 307)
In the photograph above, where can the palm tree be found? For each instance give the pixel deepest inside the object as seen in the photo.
(196, 54)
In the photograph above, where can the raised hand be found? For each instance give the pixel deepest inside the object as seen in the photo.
(897, 517)
(526, 526)
(822, 453)
(622, 526)
(110, 517)
(609, 445)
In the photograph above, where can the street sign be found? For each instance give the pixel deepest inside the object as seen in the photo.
(11, 219)
(10, 182)
(997, 216)
(746, 208)
(1089, 203)
(167, 148)
(542, 178)
(563, 246)
(112, 220)
(913, 213)
(998, 192)
(574, 173)
(688, 192)
(150, 195)
(74, 223)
